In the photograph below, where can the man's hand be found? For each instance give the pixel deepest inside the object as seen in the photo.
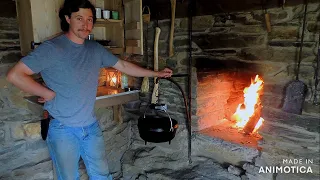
(48, 97)
(165, 73)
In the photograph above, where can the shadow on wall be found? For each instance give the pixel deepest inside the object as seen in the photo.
(7, 8)
(217, 65)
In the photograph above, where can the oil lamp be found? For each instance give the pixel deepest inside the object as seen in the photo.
(113, 78)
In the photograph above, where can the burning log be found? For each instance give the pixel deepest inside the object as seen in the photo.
(254, 119)
(248, 113)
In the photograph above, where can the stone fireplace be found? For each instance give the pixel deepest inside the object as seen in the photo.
(221, 85)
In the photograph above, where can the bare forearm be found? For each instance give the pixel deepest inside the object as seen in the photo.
(28, 84)
(137, 71)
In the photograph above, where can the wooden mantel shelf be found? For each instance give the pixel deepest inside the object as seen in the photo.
(116, 99)
(104, 100)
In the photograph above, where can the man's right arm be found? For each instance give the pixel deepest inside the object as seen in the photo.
(19, 76)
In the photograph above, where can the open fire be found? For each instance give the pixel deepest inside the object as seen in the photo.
(247, 115)
(229, 107)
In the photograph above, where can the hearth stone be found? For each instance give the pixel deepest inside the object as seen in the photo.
(235, 170)
(223, 151)
(211, 158)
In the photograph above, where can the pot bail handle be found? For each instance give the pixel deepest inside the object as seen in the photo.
(162, 109)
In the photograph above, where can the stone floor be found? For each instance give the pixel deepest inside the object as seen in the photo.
(212, 158)
(170, 161)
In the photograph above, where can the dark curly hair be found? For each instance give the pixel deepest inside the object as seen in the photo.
(71, 6)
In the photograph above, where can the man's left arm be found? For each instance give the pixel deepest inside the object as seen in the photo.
(137, 71)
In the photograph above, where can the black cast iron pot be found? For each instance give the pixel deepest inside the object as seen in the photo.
(157, 129)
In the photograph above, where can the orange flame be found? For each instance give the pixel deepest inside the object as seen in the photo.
(114, 80)
(247, 109)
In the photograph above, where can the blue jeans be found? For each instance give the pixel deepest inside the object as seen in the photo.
(67, 144)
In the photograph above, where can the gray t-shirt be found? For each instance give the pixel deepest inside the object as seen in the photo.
(71, 70)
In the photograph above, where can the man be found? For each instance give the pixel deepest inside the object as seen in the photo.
(69, 64)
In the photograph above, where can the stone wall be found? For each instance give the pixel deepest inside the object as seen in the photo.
(22, 151)
(9, 40)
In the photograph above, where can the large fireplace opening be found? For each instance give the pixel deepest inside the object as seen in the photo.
(221, 85)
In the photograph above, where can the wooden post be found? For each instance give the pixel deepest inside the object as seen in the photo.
(173, 17)
(117, 114)
(249, 127)
(155, 93)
